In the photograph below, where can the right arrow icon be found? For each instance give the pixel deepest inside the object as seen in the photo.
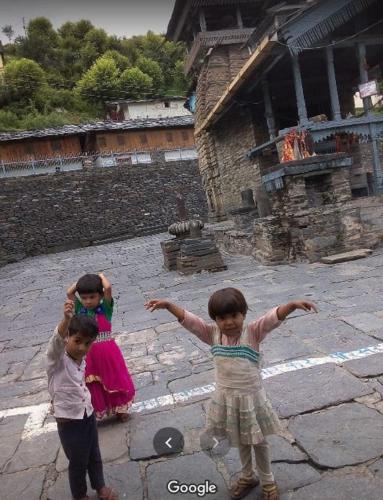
(216, 442)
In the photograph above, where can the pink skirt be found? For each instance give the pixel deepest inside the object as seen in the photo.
(108, 379)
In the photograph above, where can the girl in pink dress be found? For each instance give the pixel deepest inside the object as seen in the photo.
(106, 374)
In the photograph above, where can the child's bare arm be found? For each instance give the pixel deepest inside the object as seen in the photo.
(191, 322)
(71, 291)
(177, 311)
(107, 286)
(285, 309)
(64, 323)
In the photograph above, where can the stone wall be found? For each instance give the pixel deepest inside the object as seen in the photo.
(309, 235)
(371, 213)
(49, 213)
(219, 68)
(234, 137)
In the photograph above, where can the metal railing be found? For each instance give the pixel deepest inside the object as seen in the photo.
(67, 163)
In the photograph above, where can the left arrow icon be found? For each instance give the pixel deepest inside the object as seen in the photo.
(168, 443)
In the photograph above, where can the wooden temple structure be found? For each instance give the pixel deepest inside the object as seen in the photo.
(275, 85)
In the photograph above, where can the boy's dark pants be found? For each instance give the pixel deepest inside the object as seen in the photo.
(79, 439)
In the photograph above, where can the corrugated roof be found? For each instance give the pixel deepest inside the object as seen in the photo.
(139, 123)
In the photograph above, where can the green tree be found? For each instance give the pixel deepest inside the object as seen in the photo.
(23, 78)
(94, 45)
(122, 62)
(100, 82)
(134, 84)
(180, 82)
(153, 69)
(41, 42)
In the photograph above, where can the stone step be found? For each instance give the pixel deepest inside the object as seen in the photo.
(346, 256)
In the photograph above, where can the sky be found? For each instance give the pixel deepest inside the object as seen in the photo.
(118, 17)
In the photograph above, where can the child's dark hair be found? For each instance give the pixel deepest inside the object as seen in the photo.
(227, 301)
(89, 283)
(85, 326)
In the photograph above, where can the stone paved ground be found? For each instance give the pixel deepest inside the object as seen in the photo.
(332, 413)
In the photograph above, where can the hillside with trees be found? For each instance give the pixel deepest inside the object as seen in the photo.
(55, 77)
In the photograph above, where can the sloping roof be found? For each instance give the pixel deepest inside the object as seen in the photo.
(104, 126)
(316, 23)
(305, 29)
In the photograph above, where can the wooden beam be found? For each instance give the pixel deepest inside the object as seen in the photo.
(263, 49)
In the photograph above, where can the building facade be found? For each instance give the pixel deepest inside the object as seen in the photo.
(275, 114)
(103, 143)
(152, 108)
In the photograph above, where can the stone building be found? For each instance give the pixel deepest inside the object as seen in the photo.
(276, 122)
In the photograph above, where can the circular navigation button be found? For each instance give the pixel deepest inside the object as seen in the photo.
(168, 440)
(214, 445)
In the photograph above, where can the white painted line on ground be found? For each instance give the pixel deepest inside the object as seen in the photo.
(34, 425)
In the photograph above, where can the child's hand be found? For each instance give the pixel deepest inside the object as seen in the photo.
(68, 309)
(305, 305)
(284, 310)
(154, 304)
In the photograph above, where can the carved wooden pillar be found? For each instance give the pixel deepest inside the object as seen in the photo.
(334, 96)
(269, 114)
(301, 103)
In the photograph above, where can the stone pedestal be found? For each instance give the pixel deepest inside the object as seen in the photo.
(197, 255)
(190, 252)
(170, 251)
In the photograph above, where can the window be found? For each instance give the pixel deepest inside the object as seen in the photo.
(121, 140)
(166, 104)
(143, 139)
(169, 136)
(189, 154)
(173, 155)
(185, 135)
(141, 158)
(101, 141)
(181, 154)
(56, 145)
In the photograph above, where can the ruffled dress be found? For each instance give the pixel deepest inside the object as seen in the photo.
(239, 409)
(106, 374)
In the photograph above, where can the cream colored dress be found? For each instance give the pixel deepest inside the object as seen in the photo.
(239, 409)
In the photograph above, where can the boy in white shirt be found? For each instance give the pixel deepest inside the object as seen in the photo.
(71, 401)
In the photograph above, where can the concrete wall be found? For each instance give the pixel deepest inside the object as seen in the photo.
(155, 109)
(49, 213)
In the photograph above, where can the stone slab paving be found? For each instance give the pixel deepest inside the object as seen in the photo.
(366, 367)
(321, 386)
(351, 486)
(348, 434)
(165, 360)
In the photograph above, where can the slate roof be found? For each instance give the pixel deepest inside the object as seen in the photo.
(102, 126)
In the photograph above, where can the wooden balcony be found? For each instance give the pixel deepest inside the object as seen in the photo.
(207, 39)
